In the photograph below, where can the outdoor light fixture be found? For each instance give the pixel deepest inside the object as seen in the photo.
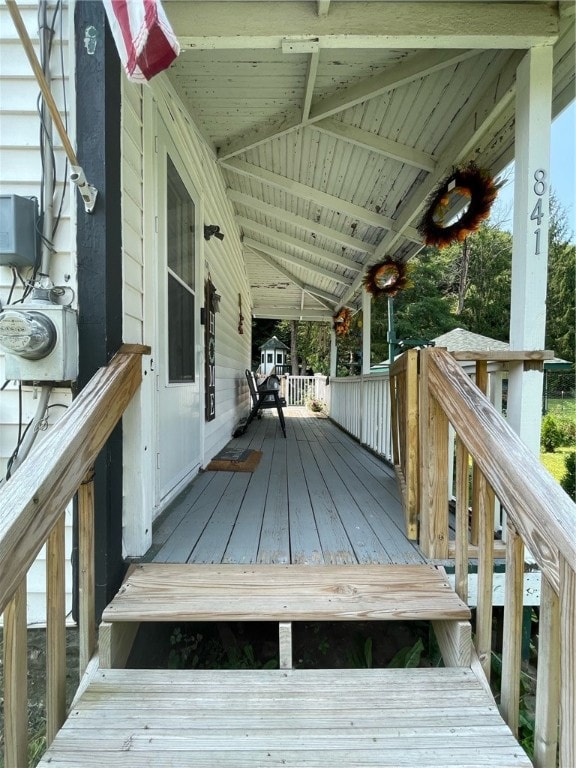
(212, 230)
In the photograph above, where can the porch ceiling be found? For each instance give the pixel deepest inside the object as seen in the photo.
(333, 120)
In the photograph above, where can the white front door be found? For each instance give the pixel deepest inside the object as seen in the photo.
(179, 415)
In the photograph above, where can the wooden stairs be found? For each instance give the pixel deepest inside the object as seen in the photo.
(285, 717)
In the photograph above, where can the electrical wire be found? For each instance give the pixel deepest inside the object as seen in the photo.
(42, 424)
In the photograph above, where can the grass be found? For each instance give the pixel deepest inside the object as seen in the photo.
(563, 407)
(554, 462)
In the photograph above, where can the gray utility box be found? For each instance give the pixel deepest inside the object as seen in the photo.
(62, 362)
(18, 231)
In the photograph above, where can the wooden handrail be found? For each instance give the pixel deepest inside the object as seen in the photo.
(40, 489)
(539, 509)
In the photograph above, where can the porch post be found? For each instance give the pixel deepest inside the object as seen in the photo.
(99, 248)
(530, 240)
(366, 330)
(333, 353)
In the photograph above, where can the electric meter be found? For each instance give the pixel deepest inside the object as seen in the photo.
(27, 334)
(40, 342)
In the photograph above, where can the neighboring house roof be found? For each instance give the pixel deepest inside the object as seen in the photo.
(274, 343)
(461, 340)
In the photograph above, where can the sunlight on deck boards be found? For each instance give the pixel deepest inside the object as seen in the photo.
(316, 497)
(291, 718)
(175, 592)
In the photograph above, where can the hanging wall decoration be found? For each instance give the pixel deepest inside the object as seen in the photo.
(469, 190)
(342, 321)
(211, 304)
(387, 278)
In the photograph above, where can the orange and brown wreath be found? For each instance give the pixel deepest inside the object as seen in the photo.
(386, 279)
(342, 321)
(469, 182)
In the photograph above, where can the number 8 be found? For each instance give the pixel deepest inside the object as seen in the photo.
(539, 184)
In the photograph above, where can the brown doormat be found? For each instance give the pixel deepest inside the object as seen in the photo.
(247, 461)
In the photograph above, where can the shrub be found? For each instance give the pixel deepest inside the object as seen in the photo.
(551, 437)
(569, 479)
(567, 427)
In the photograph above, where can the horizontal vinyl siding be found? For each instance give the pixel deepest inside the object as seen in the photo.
(21, 173)
(224, 261)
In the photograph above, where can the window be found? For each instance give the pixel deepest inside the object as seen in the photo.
(180, 222)
(279, 358)
(270, 357)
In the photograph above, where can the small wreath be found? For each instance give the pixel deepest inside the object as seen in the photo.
(469, 182)
(342, 321)
(386, 279)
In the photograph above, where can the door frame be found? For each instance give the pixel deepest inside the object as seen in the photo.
(154, 268)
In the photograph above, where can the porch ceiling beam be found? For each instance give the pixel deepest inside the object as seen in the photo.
(299, 221)
(313, 268)
(465, 134)
(310, 83)
(285, 239)
(375, 143)
(323, 298)
(323, 7)
(316, 196)
(412, 68)
(480, 25)
(291, 314)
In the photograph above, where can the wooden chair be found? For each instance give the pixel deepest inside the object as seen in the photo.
(264, 396)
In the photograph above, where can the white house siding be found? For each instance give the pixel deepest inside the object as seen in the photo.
(20, 174)
(222, 259)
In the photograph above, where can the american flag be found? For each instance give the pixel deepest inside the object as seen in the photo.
(145, 40)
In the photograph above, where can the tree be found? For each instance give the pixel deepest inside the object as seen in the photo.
(561, 288)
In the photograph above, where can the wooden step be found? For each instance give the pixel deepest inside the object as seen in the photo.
(176, 592)
(424, 718)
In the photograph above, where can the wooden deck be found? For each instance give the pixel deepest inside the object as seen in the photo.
(316, 497)
(292, 718)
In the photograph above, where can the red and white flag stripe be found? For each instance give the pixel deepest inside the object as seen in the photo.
(145, 40)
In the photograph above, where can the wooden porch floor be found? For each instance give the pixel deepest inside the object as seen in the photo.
(316, 497)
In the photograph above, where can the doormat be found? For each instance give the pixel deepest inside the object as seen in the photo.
(233, 460)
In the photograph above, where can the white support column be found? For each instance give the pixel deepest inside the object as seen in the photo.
(530, 238)
(366, 330)
(333, 353)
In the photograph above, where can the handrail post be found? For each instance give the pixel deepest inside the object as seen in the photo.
(86, 574)
(55, 631)
(567, 663)
(512, 634)
(411, 453)
(433, 469)
(548, 684)
(15, 680)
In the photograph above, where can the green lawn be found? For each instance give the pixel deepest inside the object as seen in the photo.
(554, 462)
(563, 408)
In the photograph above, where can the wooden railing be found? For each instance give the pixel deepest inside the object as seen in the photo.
(404, 411)
(540, 518)
(361, 406)
(32, 505)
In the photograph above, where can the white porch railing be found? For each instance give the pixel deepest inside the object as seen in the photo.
(298, 389)
(361, 406)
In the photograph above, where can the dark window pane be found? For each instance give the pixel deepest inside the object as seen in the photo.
(180, 332)
(180, 221)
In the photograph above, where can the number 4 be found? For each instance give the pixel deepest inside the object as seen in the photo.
(537, 213)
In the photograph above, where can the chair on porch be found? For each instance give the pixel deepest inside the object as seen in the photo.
(265, 396)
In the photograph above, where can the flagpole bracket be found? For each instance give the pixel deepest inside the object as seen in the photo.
(88, 192)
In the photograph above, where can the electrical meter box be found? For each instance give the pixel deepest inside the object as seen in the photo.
(40, 342)
(18, 231)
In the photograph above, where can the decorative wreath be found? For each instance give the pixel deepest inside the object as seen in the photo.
(386, 279)
(342, 321)
(469, 182)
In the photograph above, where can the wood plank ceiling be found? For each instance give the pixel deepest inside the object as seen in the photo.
(333, 120)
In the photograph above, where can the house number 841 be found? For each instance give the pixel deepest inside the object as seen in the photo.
(538, 214)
